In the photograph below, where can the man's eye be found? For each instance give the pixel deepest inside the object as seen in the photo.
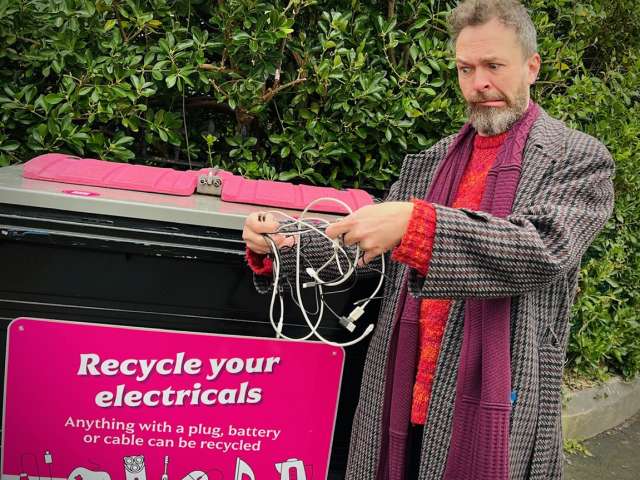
(464, 69)
(493, 66)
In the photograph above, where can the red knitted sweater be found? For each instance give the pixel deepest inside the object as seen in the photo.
(415, 251)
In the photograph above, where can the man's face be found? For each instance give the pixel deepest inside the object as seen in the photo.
(494, 76)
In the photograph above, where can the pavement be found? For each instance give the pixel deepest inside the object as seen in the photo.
(589, 411)
(615, 454)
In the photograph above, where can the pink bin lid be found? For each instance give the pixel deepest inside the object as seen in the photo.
(57, 167)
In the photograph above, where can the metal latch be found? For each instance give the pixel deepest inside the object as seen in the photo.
(210, 183)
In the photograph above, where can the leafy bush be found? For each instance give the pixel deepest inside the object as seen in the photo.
(323, 94)
(606, 321)
(592, 82)
(333, 93)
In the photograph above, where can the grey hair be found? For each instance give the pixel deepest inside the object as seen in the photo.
(510, 13)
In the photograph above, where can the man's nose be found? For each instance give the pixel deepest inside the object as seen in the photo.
(481, 81)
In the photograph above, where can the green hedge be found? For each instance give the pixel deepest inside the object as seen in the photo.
(332, 93)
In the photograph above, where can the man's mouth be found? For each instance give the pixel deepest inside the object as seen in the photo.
(491, 103)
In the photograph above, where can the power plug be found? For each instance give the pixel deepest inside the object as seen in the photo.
(346, 323)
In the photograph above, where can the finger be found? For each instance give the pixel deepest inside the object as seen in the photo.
(286, 241)
(277, 239)
(338, 228)
(260, 249)
(260, 222)
(255, 241)
(367, 258)
(351, 238)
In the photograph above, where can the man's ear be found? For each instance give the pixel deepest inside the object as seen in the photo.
(533, 64)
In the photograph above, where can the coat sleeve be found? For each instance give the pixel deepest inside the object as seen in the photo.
(478, 255)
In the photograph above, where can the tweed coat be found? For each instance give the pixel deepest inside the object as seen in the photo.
(564, 197)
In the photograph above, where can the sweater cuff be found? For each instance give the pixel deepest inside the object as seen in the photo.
(260, 264)
(416, 245)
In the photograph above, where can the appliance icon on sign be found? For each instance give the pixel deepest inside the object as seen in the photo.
(291, 469)
(292, 464)
(165, 475)
(134, 468)
(81, 473)
(243, 470)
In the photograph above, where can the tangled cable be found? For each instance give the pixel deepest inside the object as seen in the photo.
(314, 225)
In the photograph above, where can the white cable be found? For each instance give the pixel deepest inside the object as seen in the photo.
(300, 221)
(304, 227)
(380, 282)
(276, 279)
(313, 328)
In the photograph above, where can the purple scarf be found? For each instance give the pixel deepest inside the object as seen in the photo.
(479, 447)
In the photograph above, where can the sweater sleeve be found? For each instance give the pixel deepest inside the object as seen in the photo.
(415, 247)
(259, 264)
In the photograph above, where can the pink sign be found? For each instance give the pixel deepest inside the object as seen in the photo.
(97, 402)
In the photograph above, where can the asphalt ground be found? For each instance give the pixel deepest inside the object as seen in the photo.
(614, 454)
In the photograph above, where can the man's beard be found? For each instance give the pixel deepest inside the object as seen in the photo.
(494, 120)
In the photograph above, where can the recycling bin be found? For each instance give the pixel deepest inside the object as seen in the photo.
(108, 256)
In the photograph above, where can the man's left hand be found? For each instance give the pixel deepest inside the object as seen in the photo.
(376, 228)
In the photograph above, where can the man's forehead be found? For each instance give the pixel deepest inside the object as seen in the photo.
(490, 58)
(491, 39)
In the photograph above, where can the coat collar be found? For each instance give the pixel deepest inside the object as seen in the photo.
(547, 135)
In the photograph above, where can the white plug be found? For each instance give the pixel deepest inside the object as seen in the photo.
(312, 273)
(346, 323)
(356, 313)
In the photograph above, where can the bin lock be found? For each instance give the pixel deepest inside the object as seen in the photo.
(210, 183)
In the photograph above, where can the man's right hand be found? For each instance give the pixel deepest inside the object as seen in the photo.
(259, 223)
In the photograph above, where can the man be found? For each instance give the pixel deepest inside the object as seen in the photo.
(487, 228)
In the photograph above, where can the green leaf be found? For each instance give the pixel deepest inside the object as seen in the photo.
(184, 45)
(123, 141)
(288, 175)
(9, 146)
(413, 51)
(434, 64)
(424, 68)
(53, 98)
(420, 23)
(171, 80)
(241, 36)
(109, 25)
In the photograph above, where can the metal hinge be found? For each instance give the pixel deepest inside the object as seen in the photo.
(210, 183)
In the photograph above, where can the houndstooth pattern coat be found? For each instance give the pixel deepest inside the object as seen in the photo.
(564, 197)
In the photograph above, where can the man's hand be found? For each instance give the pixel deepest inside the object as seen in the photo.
(256, 225)
(376, 228)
